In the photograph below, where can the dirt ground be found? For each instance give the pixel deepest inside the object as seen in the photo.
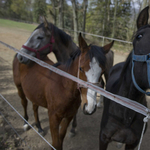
(87, 136)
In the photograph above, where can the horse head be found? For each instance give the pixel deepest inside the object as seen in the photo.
(141, 53)
(39, 43)
(48, 38)
(91, 66)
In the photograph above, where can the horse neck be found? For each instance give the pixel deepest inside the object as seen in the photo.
(72, 70)
(62, 51)
(127, 88)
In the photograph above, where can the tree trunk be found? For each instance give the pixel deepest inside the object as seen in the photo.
(61, 14)
(75, 19)
(114, 20)
(105, 17)
(54, 12)
(144, 4)
(108, 11)
(149, 11)
(85, 5)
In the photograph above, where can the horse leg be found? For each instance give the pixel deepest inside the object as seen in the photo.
(63, 128)
(54, 122)
(100, 101)
(36, 116)
(24, 103)
(102, 145)
(131, 147)
(74, 125)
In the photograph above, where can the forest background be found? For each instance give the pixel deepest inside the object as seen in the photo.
(109, 18)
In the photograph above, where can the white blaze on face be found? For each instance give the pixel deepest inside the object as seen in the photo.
(32, 42)
(33, 39)
(92, 76)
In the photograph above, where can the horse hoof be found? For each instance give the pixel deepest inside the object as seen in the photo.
(41, 132)
(119, 145)
(26, 127)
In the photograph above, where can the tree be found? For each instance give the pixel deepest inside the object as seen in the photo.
(85, 5)
(54, 12)
(114, 18)
(40, 9)
(75, 19)
(5, 10)
(19, 12)
(144, 4)
(61, 14)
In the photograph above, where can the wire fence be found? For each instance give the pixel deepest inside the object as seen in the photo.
(25, 121)
(119, 45)
(121, 100)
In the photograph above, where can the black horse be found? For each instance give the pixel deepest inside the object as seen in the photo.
(119, 123)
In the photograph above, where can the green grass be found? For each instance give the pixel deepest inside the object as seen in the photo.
(15, 24)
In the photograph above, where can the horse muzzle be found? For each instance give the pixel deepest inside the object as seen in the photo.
(86, 112)
(23, 59)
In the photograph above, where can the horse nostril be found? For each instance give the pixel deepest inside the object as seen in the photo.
(86, 112)
(21, 59)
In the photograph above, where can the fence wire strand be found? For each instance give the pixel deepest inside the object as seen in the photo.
(116, 98)
(27, 122)
(14, 130)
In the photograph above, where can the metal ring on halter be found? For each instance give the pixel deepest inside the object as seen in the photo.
(141, 58)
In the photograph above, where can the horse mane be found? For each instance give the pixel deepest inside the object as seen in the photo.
(64, 37)
(98, 53)
(125, 67)
(95, 51)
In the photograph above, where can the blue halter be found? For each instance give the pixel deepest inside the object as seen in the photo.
(141, 58)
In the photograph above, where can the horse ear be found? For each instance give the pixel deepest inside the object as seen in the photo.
(82, 43)
(143, 17)
(108, 47)
(45, 22)
(48, 32)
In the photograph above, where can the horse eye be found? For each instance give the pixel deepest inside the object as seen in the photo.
(139, 36)
(81, 69)
(40, 37)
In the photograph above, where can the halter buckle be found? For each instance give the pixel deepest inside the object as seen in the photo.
(148, 56)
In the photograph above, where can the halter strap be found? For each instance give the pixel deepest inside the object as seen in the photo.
(141, 58)
(37, 51)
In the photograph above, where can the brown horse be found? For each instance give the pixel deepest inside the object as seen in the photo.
(59, 94)
(48, 38)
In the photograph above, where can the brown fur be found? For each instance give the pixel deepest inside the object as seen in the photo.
(50, 90)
